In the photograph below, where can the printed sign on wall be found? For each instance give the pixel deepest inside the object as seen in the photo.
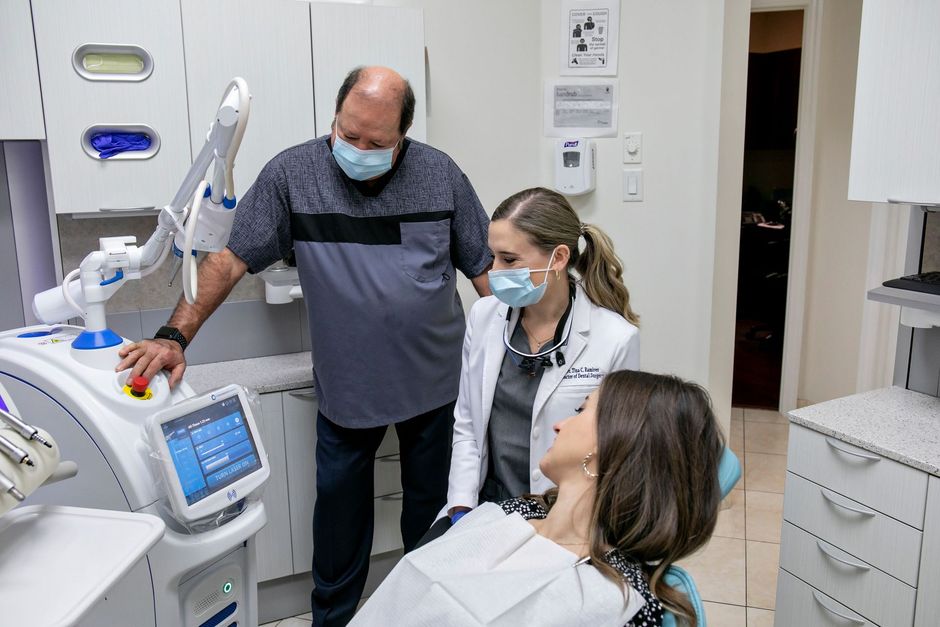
(589, 37)
(580, 107)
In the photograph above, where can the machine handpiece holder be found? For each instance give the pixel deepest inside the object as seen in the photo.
(199, 218)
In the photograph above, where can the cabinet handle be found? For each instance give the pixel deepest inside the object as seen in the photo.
(919, 203)
(856, 510)
(836, 558)
(309, 394)
(851, 619)
(392, 497)
(832, 444)
(391, 459)
(125, 209)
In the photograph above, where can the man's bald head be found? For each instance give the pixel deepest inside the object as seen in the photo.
(380, 84)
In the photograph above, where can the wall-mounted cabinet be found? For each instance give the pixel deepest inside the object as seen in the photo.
(268, 44)
(21, 103)
(160, 68)
(345, 36)
(895, 145)
(83, 87)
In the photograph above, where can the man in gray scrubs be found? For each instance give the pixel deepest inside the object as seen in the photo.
(378, 223)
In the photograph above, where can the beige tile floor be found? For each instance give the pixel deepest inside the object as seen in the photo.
(736, 572)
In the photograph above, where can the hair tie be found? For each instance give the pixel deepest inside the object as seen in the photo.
(582, 240)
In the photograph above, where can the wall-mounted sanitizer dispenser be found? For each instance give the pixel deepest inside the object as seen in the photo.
(575, 166)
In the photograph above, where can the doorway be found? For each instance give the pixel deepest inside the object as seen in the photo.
(770, 149)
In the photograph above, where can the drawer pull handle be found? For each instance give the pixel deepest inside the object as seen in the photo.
(851, 619)
(393, 497)
(833, 445)
(836, 558)
(391, 459)
(855, 510)
(308, 395)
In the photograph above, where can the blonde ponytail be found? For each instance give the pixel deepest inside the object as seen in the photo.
(602, 274)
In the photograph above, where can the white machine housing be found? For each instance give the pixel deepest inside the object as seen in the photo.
(575, 166)
(189, 578)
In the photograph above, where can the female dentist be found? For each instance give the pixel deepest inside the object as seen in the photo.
(535, 349)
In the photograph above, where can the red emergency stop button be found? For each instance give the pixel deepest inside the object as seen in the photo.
(139, 386)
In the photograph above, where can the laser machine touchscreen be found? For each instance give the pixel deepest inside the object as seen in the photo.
(211, 453)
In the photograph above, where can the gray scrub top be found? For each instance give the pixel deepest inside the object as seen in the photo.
(376, 263)
(511, 424)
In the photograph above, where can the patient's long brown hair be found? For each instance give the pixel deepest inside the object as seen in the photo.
(657, 494)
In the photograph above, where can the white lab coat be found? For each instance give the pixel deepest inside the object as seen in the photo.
(600, 342)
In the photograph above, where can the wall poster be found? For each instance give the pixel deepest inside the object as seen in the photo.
(589, 37)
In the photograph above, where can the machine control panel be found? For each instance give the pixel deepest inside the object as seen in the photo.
(211, 451)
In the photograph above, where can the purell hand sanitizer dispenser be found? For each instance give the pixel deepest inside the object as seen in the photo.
(575, 166)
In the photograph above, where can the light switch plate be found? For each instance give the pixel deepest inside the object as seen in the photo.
(633, 147)
(632, 184)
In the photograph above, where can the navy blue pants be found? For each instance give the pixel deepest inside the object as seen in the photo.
(343, 515)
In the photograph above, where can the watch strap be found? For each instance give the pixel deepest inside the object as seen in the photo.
(171, 333)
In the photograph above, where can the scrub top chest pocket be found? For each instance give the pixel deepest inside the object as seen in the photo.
(425, 249)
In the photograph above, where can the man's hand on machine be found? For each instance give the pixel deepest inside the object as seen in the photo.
(148, 357)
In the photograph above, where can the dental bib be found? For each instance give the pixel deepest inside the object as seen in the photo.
(493, 569)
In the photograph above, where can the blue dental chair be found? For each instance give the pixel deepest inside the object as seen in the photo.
(729, 472)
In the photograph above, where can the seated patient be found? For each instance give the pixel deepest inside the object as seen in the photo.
(637, 476)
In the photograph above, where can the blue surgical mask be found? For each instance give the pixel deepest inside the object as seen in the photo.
(360, 164)
(514, 287)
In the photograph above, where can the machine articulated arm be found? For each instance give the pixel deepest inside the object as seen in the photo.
(199, 218)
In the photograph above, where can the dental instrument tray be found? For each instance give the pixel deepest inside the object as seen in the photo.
(210, 452)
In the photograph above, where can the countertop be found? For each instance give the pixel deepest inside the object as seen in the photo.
(899, 424)
(263, 374)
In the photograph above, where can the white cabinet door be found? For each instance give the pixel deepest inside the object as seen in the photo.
(21, 104)
(346, 36)
(895, 145)
(76, 104)
(300, 437)
(273, 542)
(266, 42)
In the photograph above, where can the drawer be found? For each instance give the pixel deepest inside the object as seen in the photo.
(389, 445)
(875, 481)
(874, 538)
(387, 475)
(387, 533)
(800, 605)
(847, 579)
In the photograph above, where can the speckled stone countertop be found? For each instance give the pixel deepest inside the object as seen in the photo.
(893, 422)
(264, 374)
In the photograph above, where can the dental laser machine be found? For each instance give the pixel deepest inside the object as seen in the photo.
(61, 378)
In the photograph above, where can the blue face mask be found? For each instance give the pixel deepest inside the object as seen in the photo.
(359, 164)
(514, 287)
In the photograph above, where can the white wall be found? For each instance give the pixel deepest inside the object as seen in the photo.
(839, 244)
(670, 86)
(728, 223)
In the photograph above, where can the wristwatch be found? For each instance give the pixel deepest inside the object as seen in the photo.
(171, 333)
